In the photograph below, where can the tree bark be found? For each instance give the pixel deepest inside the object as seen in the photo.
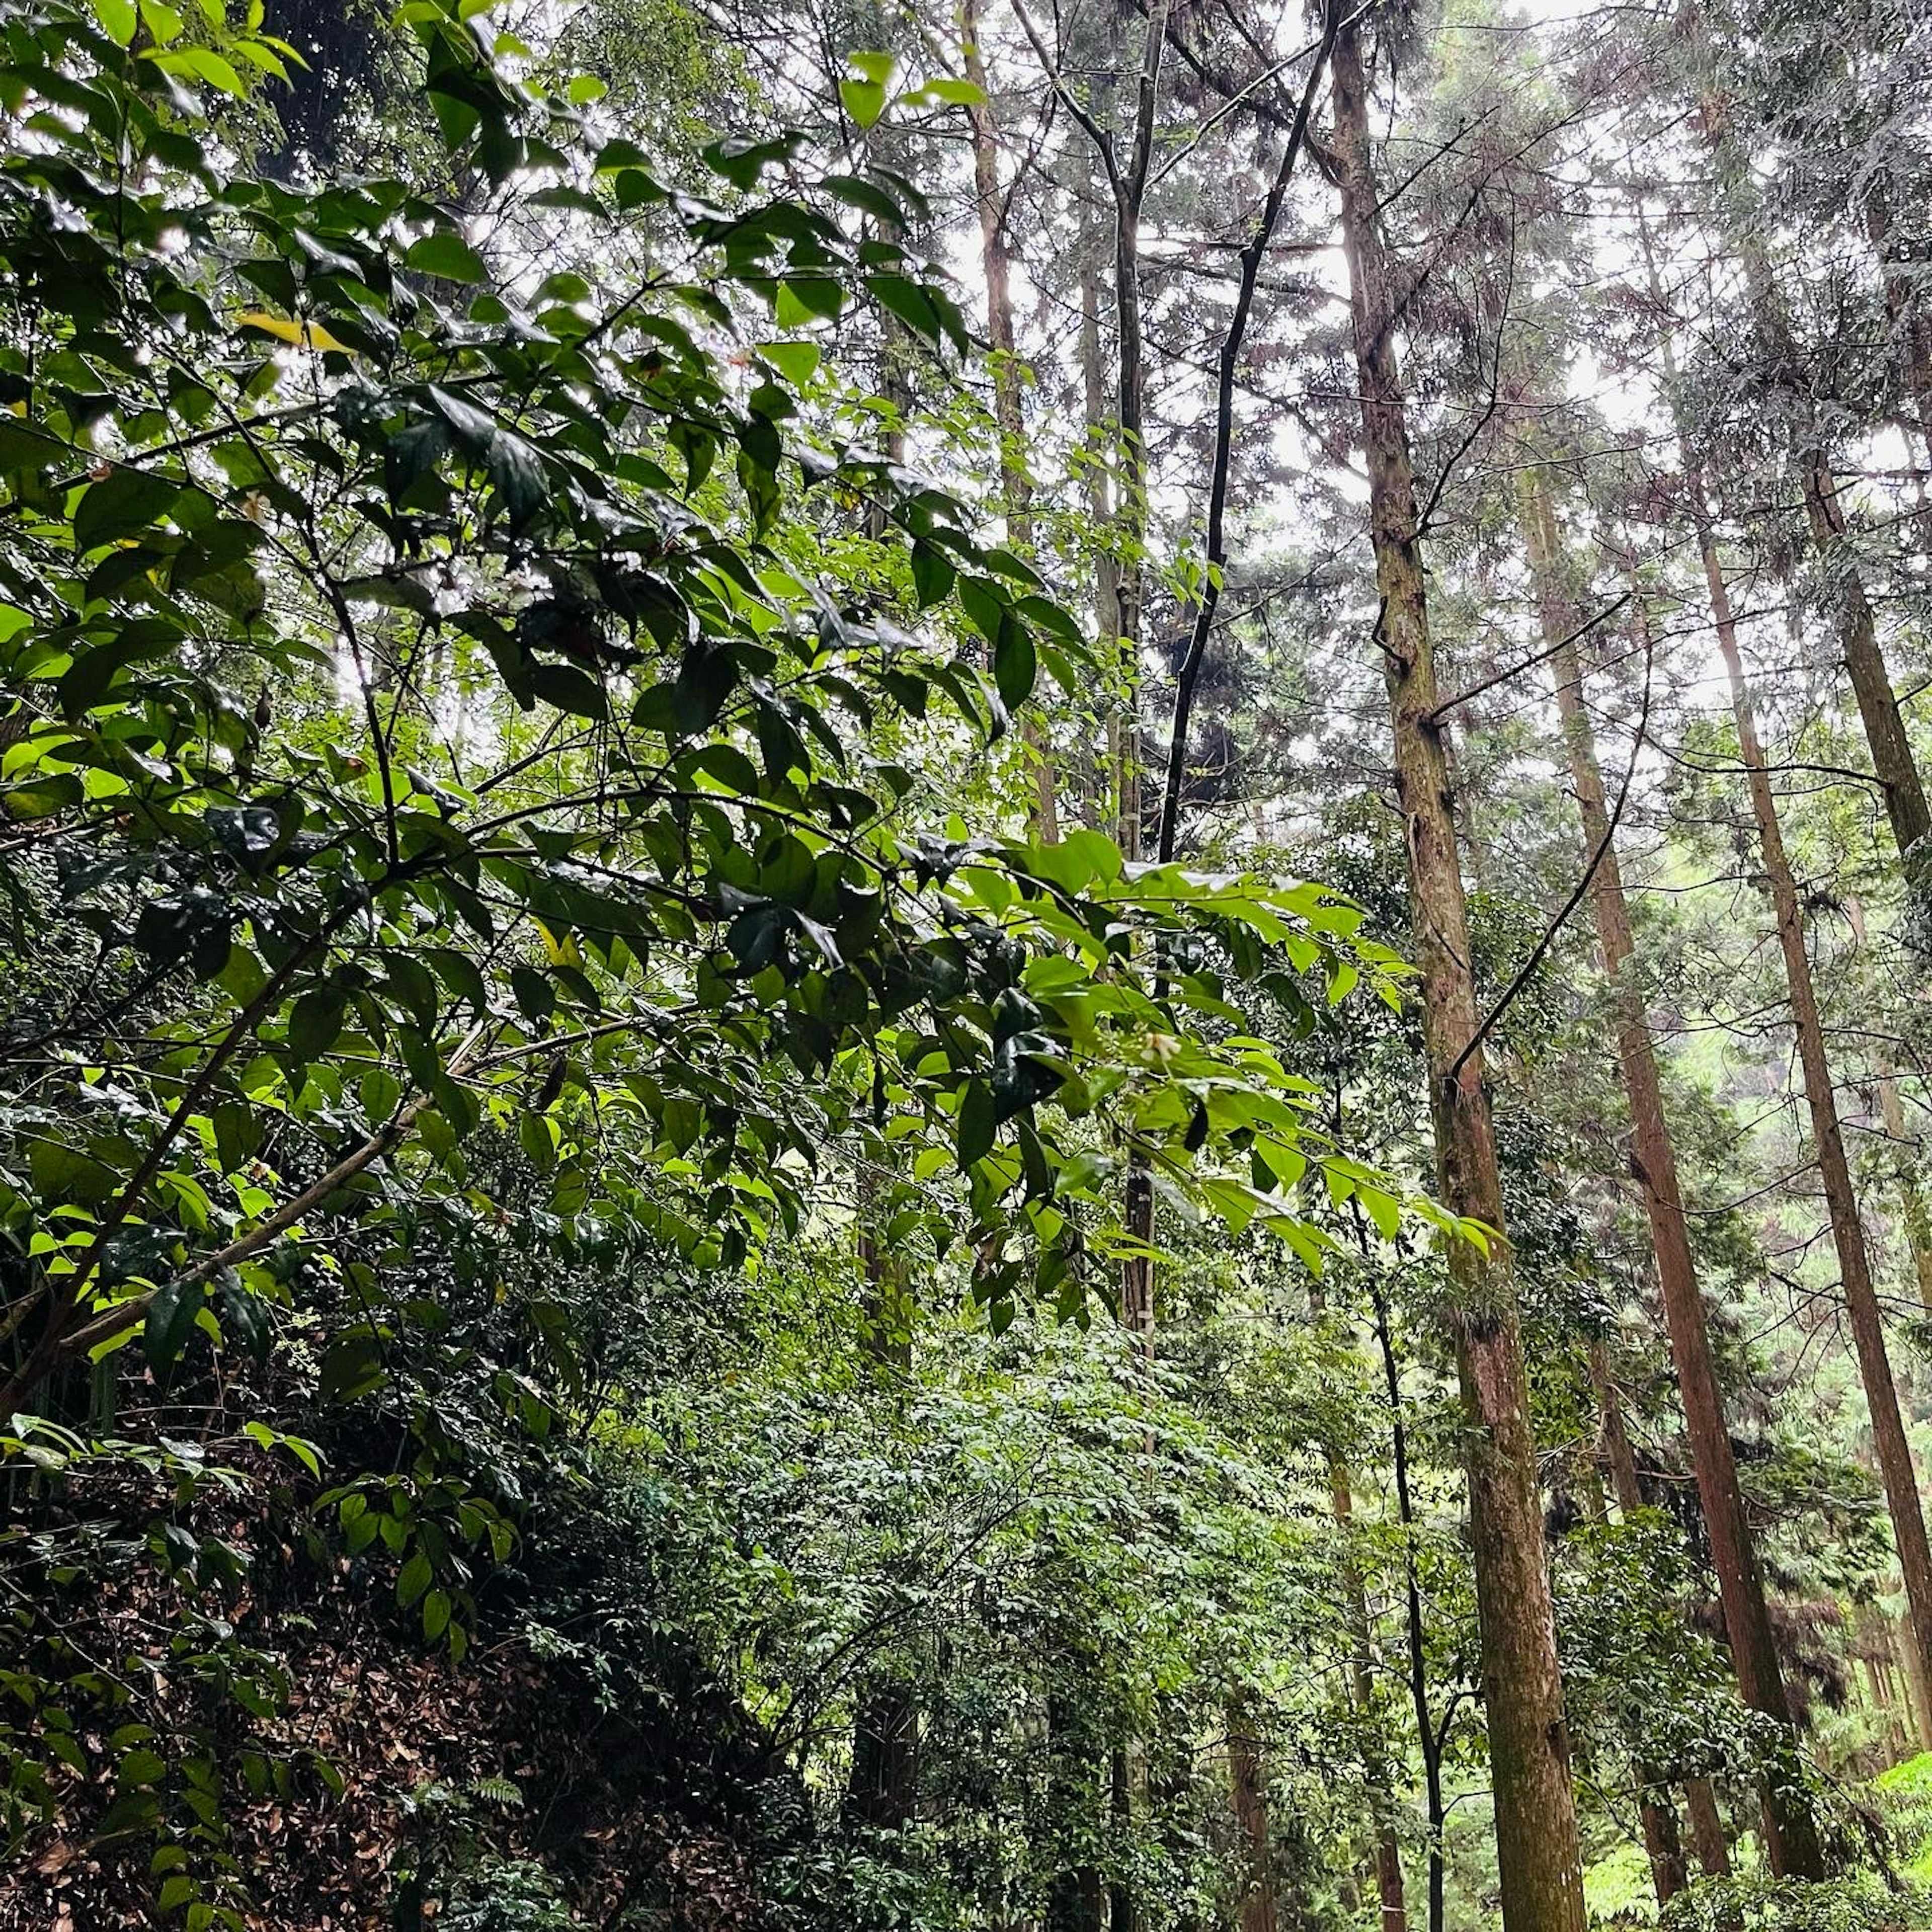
(1130, 508)
(1708, 1831)
(1247, 1778)
(1389, 1887)
(1537, 1848)
(1791, 1836)
(1097, 787)
(1919, 1692)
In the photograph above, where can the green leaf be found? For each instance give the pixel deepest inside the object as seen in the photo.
(977, 1120)
(118, 19)
(865, 100)
(1014, 666)
(448, 257)
(171, 1319)
(796, 361)
(315, 1022)
(201, 64)
(125, 501)
(932, 573)
(412, 1579)
(953, 93)
(802, 299)
(533, 1133)
(928, 312)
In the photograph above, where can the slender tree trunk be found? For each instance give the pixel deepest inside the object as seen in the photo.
(1414, 1634)
(1537, 1848)
(883, 1789)
(1791, 1837)
(1905, 803)
(1861, 1304)
(1892, 761)
(1015, 484)
(1662, 1843)
(1127, 176)
(1919, 1693)
(1911, 1197)
(1129, 180)
(1129, 190)
(1247, 1777)
(1121, 1914)
(1707, 1832)
(1892, 1112)
(1388, 1846)
(1876, 1661)
(1097, 790)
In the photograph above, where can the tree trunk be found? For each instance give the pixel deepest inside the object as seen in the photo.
(1919, 1691)
(1388, 1846)
(883, 1789)
(1892, 761)
(1130, 507)
(1016, 485)
(1426, 1735)
(1892, 1112)
(1848, 1236)
(1662, 1843)
(1707, 1828)
(1247, 1778)
(1911, 1198)
(1098, 788)
(1536, 1842)
(1791, 1837)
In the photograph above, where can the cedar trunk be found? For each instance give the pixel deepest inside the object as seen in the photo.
(1791, 1837)
(1529, 1752)
(1848, 1234)
(1662, 1843)
(1247, 1778)
(1388, 1848)
(1892, 761)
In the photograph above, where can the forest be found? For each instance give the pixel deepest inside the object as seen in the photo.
(965, 967)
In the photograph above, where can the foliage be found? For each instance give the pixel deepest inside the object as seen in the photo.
(585, 1063)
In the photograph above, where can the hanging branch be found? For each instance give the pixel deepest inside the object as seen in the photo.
(1231, 344)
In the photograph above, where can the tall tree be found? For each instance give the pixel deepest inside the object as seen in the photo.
(1791, 1837)
(1847, 1227)
(1538, 1845)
